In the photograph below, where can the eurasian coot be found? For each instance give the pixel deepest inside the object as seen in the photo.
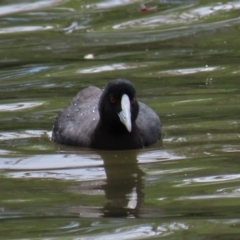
(109, 119)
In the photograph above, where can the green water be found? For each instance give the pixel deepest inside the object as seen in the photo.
(183, 57)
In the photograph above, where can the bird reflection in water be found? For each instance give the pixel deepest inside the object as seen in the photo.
(123, 187)
(124, 184)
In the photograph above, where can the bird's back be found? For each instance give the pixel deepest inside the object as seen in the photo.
(148, 124)
(75, 124)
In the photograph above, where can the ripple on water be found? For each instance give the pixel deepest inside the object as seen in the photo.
(189, 70)
(58, 161)
(109, 67)
(210, 179)
(22, 7)
(144, 230)
(23, 134)
(71, 166)
(55, 166)
(19, 106)
(178, 16)
(24, 29)
(231, 148)
(5, 152)
(122, 232)
(158, 155)
(110, 3)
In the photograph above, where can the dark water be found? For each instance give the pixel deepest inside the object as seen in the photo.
(183, 57)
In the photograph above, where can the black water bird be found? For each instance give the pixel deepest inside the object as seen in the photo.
(107, 119)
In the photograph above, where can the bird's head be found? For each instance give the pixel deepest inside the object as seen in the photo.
(118, 106)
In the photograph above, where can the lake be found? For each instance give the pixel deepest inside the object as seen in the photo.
(183, 58)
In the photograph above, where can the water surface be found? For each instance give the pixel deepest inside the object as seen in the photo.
(182, 56)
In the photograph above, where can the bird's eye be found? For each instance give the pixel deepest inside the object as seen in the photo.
(112, 100)
(133, 100)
